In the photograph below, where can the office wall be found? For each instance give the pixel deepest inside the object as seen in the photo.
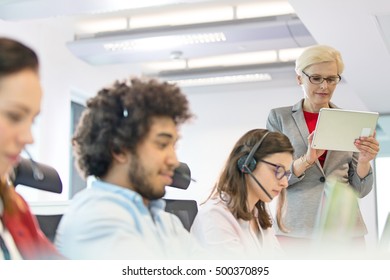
(61, 74)
(223, 113)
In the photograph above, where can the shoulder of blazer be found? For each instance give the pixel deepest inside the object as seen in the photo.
(289, 109)
(283, 110)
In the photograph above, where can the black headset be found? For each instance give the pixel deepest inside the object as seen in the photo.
(247, 163)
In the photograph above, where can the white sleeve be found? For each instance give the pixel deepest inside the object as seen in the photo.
(217, 230)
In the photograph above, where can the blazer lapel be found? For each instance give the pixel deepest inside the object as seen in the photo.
(297, 114)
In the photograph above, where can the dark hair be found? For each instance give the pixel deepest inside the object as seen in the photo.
(231, 179)
(119, 117)
(15, 57)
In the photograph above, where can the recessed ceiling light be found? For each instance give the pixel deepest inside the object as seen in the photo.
(264, 9)
(227, 79)
(162, 42)
(181, 17)
(235, 59)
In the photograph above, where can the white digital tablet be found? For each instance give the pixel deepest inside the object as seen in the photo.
(337, 129)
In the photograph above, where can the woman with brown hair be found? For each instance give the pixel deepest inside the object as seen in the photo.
(235, 221)
(20, 98)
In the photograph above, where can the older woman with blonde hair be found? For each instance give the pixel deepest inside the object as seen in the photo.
(318, 73)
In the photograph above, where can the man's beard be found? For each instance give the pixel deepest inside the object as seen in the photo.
(140, 180)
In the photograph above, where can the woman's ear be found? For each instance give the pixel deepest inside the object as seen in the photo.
(299, 79)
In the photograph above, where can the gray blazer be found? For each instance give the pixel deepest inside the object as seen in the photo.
(305, 193)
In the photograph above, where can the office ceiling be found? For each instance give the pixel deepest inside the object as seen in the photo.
(249, 36)
(359, 29)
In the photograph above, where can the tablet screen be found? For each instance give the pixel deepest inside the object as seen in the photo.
(337, 129)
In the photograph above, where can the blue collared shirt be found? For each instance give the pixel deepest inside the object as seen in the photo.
(106, 221)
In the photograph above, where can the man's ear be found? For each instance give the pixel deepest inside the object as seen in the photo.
(120, 157)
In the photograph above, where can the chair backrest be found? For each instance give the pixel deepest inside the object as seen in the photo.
(49, 224)
(186, 210)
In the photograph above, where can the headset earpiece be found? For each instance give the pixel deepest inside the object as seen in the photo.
(241, 164)
(247, 163)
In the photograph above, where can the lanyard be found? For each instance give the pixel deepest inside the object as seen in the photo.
(4, 248)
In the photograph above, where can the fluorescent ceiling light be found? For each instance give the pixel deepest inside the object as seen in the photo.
(264, 9)
(101, 25)
(164, 42)
(234, 59)
(248, 59)
(126, 4)
(289, 54)
(159, 66)
(228, 79)
(106, 6)
(187, 16)
(29, 9)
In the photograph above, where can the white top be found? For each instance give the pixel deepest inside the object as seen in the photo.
(8, 240)
(225, 237)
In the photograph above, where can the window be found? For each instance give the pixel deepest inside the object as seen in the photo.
(77, 183)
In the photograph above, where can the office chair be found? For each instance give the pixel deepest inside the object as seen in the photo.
(37, 175)
(49, 224)
(43, 177)
(185, 210)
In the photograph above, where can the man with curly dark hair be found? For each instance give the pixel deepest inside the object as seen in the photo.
(126, 141)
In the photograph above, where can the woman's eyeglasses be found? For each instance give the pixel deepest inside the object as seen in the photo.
(316, 79)
(280, 171)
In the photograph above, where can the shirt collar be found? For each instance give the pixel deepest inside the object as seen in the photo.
(127, 193)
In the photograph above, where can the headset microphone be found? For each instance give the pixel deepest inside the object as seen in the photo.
(247, 163)
(258, 183)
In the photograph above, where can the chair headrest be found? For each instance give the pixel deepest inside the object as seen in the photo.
(182, 177)
(37, 175)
